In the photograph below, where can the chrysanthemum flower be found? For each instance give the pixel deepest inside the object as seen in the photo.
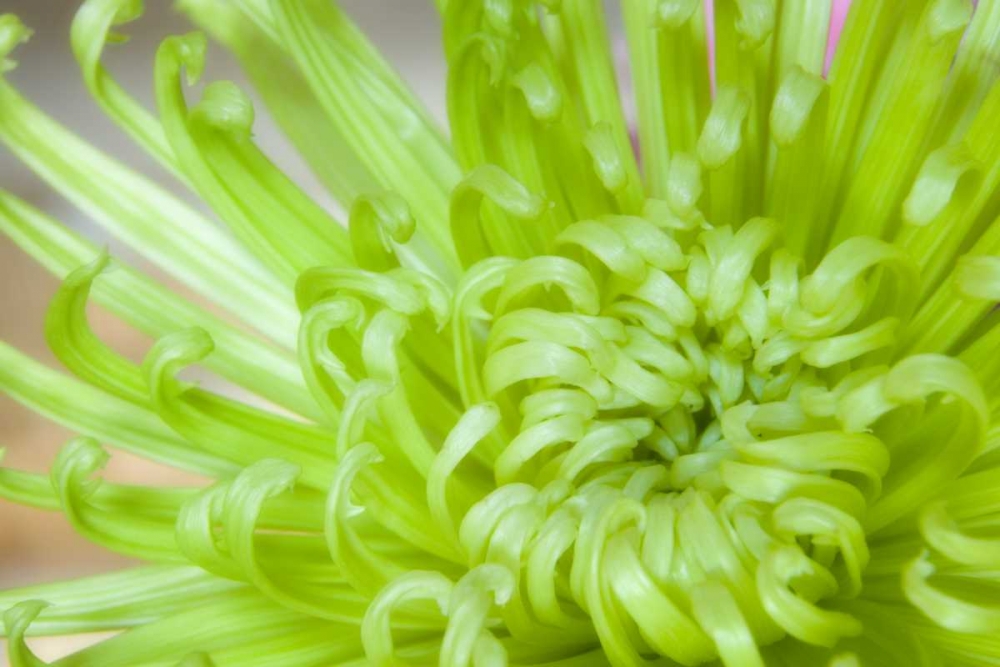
(730, 397)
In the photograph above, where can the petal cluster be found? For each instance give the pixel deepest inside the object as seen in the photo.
(723, 390)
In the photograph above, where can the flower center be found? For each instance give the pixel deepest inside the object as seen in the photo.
(666, 405)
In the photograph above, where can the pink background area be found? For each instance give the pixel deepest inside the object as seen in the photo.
(836, 24)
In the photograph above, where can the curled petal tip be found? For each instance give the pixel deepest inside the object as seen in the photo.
(12, 33)
(225, 106)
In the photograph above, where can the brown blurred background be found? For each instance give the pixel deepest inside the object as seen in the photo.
(38, 546)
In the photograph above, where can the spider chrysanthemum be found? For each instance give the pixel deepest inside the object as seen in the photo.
(727, 396)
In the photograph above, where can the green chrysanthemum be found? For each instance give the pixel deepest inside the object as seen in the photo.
(540, 403)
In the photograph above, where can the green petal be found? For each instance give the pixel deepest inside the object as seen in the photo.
(88, 410)
(155, 310)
